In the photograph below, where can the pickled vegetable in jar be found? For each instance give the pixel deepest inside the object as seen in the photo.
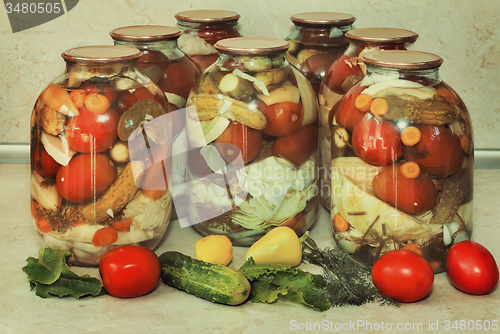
(161, 59)
(201, 29)
(252, 130)
(93, 185)
(344, 73)
(402, 161)
(175, 73)
(317, 40)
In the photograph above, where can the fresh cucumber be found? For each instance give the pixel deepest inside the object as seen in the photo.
(209, 281)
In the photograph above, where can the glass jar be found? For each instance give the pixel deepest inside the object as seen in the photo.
(252, 128)
(175, 73)
(201, 29)
(317, 40)
(93, 184)
(344, 73)
(161, 59)
(402, 161)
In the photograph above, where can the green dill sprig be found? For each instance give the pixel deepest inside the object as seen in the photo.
(348, 282)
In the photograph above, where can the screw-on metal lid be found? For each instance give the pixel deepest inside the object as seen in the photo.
(252, 45)
(101, 54)
(323, 18)
(207, 16)
(382, 35)
(145, 33)
(403, 59)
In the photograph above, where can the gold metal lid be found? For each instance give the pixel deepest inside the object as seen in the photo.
(403, 59)
(252, 45)
(145, 33)
(101, 54)
(207, 16)
(382, 35)
(323, 18)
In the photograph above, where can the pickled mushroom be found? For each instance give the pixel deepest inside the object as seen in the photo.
(140, 113)
(257, 63)
(53, 122)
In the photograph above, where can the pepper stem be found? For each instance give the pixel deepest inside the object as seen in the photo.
(304, 237)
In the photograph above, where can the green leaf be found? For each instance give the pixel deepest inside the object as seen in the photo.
(67, 283)
(47, 268)
(272, 282)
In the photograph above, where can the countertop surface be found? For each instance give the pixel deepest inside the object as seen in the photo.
(167, 310)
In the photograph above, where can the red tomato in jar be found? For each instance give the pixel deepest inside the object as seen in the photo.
(403, 275)
(95, 86)
(346, 114)
(377, 142)
(85, 177)
(43, 163)
(283, 118)
(412, 196)
(92, 133)
(315, 68)
(129, 271)
(152, 57)
(179, 79)
(438, 153)
(248, 140)
(297, 147)
(343, 74)
(472, 268)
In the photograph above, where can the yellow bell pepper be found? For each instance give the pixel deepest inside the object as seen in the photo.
(214, 249)
(281, 245)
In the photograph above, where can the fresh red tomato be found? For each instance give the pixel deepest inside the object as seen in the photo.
(472, 268)
(96, 86)
(438, 153)
(412, 196)
(44, 163)
(179, 79)
(85, 177)
(248, 141)
(129, 271)
(377, 142)
(297, 147)
(343, 74)
(346, 114)
(283, 118)
(92, 133)
(403, 275)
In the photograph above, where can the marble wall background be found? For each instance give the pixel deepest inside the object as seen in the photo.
(465, 33)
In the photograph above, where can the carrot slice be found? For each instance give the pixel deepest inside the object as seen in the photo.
(123, 225)
(58, 99)
(410, 135)
(340, 223)
(97, 103)
(43, 225)
(104, 236)
(379, 107)
(410, 169)
(363, 102)
(78, 97)
(414, 248)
